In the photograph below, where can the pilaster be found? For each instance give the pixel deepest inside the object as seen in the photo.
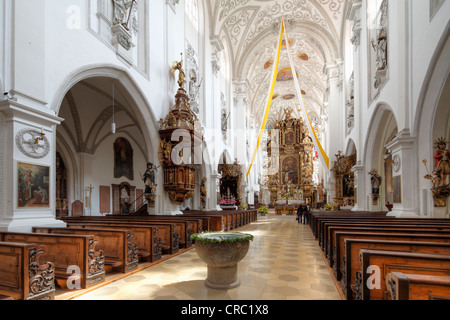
(28, 169)
(405, 187)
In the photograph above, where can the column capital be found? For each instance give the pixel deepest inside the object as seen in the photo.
(354, 9)
(240, 90)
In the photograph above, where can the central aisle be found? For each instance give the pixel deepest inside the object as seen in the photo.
(284, 263)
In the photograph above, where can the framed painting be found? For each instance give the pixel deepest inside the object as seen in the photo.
(33, 186)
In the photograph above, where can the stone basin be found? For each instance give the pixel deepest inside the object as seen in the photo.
(222, 251)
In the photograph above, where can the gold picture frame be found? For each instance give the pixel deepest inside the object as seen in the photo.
(33, 186)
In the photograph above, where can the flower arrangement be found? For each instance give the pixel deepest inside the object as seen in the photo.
(228, 201)
(263, 210)
(329, 206)
(243, 206)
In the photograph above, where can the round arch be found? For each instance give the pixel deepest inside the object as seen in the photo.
(432, 118)
(135, 105)
(138, 101)
(382, 130)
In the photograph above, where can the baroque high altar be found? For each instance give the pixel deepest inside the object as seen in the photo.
(295, 175)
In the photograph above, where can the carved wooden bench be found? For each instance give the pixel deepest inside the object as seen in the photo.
(149, 244)
(402, 286)
(330, 251)
(350, 262)
(400, 223)
(315, 217)
(197, 223)
(66, 251)
(217, 222)
(390, 261)
(22, 275)
(119, 246)
(165, 231)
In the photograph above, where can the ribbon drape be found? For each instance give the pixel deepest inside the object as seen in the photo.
(269, 102)
(323, 155)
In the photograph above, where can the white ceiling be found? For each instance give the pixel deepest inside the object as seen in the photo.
(249, 30)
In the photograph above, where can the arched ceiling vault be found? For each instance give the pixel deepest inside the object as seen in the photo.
(250, 30)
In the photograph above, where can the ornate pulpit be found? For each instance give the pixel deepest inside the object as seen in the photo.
(181, 125)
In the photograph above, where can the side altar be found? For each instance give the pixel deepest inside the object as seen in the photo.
(293, 184)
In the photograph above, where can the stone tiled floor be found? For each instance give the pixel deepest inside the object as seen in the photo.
(284, 263)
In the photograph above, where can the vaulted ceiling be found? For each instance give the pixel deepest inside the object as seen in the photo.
(249, 30)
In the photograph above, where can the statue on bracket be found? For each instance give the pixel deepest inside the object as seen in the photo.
(438, 177)
(375, 180)
(178, 65)
(121, 9)
(203, 193)
(149, 179)
(441, 160)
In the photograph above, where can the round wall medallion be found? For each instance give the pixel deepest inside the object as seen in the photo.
(33, 143)
(397, 163)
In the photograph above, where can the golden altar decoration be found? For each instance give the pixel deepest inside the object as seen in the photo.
(295, 174)
(344, 179)
(231, 180)
(179, 177)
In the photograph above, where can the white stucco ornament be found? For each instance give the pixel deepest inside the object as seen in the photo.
(33, 143)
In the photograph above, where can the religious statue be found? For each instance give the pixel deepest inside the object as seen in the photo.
(380, 48)
(121, 8)
(178, 65)
(149, 178)
(194, 88)
(203, 192)
(441, 161)
(375, 180)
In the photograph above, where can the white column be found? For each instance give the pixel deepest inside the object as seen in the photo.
(354, 14)
(360, 187)
(402, 149)
(20, 122)
(214, 181)
(240, 106)
(336, 116)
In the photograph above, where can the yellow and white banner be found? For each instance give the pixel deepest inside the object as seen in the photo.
(269, 102)
(323, 155)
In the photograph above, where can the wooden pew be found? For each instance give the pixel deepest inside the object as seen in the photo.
(315, 217)
(118, 246)
(197, 222)
(390, 261)
(325, 224)
(350, 262)
(166, 232)
(149, 244)
(22, 276)
(217, 221)
(184, 228)
(331, 244)
(402, 286)
(65, 251)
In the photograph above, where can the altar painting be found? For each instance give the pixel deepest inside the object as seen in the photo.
(290, 170)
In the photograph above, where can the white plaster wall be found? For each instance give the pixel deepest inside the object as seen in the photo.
(100, 172)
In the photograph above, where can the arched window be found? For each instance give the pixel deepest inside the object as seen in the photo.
(192, 12)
